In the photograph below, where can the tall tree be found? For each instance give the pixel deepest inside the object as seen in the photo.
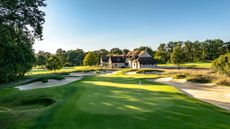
(103, 52)
(188, 50)
(115, 51)
(178, 56)
(90, 59)
(125, 51)
(161, 54)
(75, 57)
(20, 24)
(41, 58)
(61, 54)
(54, 63)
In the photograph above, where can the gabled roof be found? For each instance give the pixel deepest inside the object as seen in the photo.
(129, 53)
(146, 60)
(133, 53)
(141, 53)
(117, 59)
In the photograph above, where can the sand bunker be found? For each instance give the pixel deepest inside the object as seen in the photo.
(217, 95)
(68, 79)
(50, 83)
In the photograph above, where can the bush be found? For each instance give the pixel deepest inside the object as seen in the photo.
(44, 80)
(64, 73)
(222, 64)
(54, 63)
(180, 76)
(200, 79)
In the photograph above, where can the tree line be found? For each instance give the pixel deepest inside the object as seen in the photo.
(77, 57)
(21, 23)
(191, 51)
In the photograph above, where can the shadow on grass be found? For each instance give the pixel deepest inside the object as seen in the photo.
(120, 103)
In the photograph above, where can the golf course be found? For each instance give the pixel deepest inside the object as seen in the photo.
(109, 101)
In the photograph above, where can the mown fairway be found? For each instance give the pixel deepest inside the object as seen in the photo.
(108, 102)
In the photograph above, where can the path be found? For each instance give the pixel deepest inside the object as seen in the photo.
(217, 95)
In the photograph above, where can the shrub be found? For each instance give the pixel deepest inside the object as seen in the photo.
(64, 73)
(200, 79)
(44, 80)
(180, 76)
(222, 64)
(54, 63)
(148, 70)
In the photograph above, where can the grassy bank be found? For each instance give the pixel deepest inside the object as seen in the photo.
(190, 65)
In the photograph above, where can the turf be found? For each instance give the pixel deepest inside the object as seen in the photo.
(108, 102)
(192, 65)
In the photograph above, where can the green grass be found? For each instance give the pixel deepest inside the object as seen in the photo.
(192, 65)
(36, 71)
(108, 102)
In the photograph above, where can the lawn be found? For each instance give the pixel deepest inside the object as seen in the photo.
(193, 65)
(108, 102)
(36, 71)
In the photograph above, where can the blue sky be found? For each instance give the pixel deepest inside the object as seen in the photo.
(95, 24)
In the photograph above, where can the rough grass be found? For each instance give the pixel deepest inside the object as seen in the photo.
(191, 65)
(66, 70)
(109, 102)
(200, 79)
(225, 81)
(201, 76)
(149, 71)
(45, 78)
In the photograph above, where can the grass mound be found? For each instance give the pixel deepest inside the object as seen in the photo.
(149, 71)
(38, 101)
(45, 79)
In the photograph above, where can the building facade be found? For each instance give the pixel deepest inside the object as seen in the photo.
(133, 59)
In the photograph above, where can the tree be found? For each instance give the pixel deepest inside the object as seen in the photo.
(178, 56)
(103, 52)
(115, 51)
(222, 64)
(161, 54)
(20, 24)
(61, 54)
(213, 48)
(75, 57)
(97, 55)
(188, 50)
(125, 51)
(54, 63)
(41, 58)
(90, 59)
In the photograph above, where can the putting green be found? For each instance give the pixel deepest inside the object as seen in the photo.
(103, 97)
